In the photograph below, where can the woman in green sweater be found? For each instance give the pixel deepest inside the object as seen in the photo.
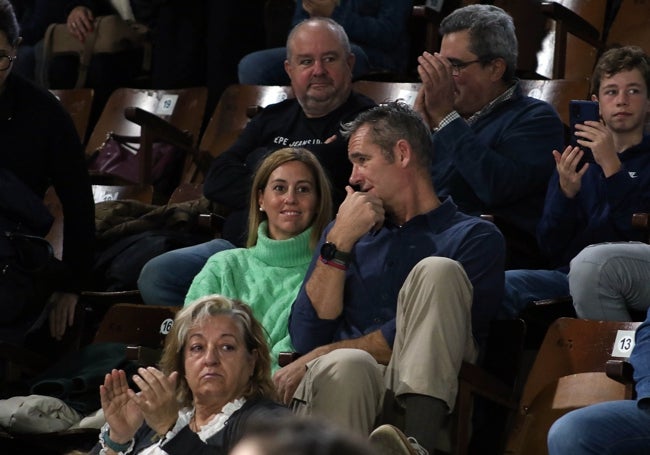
(290, 205)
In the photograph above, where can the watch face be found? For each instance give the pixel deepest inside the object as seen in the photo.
(327, 251)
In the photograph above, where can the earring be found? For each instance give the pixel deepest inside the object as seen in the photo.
(261, 209)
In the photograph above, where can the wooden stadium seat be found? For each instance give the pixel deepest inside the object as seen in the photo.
(631, 25)
(138, 192)
(558, 93)
(382, 92)
(182, 108)
(494, 382)
(569, 372)
(237, 105)
(557, 39)
(78, 102)
(142, 328)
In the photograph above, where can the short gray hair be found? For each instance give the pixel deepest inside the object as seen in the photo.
(491, 34)
(391, 122)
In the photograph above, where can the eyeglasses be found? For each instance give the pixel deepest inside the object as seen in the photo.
(6, 61)
(458, 65)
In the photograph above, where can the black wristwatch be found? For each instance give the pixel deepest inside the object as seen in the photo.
(329, 253)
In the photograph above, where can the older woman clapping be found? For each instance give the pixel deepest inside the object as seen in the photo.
(215, 374)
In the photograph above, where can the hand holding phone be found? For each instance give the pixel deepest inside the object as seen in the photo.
(579, 112)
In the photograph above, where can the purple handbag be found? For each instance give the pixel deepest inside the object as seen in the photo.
(119, 156)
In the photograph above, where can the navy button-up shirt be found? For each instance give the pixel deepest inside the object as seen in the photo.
(381, 263)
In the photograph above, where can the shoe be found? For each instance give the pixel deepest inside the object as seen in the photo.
(389, 440)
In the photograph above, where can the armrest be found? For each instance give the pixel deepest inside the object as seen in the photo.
(143, 356)
(574, 24)
(19, 361)
(158, 127)
(155, 128)
(425, 12)
(210, 222)
(285, 358)
(620, 371)
(641, 220)
(486, 385)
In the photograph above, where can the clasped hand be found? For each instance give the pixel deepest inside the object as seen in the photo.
(435, 100)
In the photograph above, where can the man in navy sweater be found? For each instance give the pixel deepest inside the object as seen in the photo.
(491, 142)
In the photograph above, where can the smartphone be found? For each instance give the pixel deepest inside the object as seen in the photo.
(579, 112)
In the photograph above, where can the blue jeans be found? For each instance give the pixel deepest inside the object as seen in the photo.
(523, 287)
(607, 280)
(266, 67)
(165, 279)
(610, 428)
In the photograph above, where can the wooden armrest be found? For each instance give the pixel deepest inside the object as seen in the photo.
(641, 220)
(142, 355)
(154, 127)
(425, 12)
(620, 370)
(159, 127)
(210, 222)
(253, 110)
(486, 385)
(575, 24)
(107, 298)
(19, 358)
(285, 358)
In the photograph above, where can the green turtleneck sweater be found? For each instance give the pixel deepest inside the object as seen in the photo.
(266, 276)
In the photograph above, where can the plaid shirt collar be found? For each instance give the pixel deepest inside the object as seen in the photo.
(489, 107)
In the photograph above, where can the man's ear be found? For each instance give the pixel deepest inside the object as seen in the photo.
(403, 153)
(17, 42)
(286, 68)
(594, 98)
(351, 59)
(498, 69)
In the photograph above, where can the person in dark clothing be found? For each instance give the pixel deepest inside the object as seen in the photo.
(320, 67)
(376, 28)
(593, 203)
(200, 43)
(40, 147)
(491, 141)
(34, 16)
(215, 374)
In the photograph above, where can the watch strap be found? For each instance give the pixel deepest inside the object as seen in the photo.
(336, 263)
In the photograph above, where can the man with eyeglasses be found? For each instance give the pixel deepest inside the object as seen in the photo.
(491, 142)
(39, 147)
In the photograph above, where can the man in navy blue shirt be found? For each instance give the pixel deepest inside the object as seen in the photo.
(400, 291)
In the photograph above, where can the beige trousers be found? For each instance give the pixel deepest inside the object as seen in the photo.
(434, 336)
